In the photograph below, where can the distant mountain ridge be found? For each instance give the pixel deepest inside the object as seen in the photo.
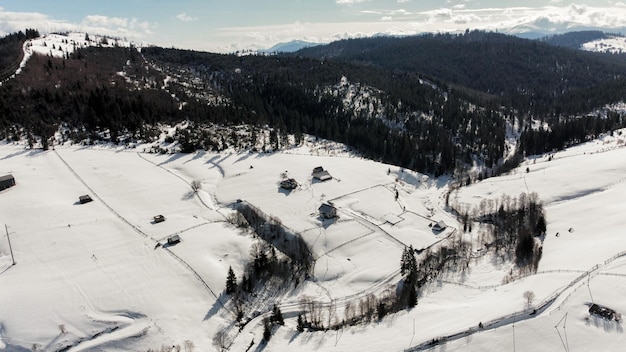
(575, 40)
(492, 63)
(289, 47)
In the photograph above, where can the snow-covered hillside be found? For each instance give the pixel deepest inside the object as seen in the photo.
(92, 277)
(62, 45)
(613, 44)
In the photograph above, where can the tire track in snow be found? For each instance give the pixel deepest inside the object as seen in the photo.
(141, 233)
(188, 183)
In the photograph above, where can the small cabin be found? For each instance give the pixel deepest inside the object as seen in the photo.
(440, 226)
(84, 199)
(6, 181)
(173, 239)
(158, 219)
(320, 174)
(289, 184)
(327, 211)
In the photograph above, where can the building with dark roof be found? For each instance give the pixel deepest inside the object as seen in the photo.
(6, 181)
(327, 211)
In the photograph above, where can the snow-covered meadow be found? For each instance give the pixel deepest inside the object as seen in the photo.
(91, 276)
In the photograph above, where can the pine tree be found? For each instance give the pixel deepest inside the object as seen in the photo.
(381, 310)
(300, 326)
(277, 316)
(408, 265)
(231, 281)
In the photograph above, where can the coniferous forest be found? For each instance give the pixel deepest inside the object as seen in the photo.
(431, 103)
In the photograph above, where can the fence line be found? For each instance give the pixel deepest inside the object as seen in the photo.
(140, 232)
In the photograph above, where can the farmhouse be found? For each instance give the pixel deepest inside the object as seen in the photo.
(6, 181)
(159, 218)
(327, 211)
(289, 184)
(440, 226)
(320, 174)
(84, 199)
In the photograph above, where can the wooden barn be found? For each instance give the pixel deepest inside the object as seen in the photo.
(320, 174)
(440, 226)
(6, 181)
(173, 239)
(84, 199)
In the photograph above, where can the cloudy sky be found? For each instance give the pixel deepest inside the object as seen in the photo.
(229, 25)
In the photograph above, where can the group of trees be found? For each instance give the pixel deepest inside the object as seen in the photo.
(529, 75)
(562, 134)
(280, 261)
(513, 226)
(11, 51)
(425, 127)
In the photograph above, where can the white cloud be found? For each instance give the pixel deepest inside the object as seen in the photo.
(387, 18)
(131, 28)
(185, 17)
(403, 1)
(349, 2)
(104, 21)
(578, 9)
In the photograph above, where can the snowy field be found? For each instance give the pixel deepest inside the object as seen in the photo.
(94, 277)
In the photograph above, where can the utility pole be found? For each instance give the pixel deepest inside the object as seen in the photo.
(9, 239)
(514, 316)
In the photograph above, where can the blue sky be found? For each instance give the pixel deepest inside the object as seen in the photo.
(230, 25)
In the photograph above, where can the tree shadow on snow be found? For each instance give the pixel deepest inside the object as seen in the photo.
(261, 346)
(189, 195)
(197, 155)
(217, 305)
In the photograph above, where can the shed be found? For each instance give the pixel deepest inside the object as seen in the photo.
(320, 174)
(289, 183)
(440, 226)
(603, 312)
(159, 218)
(327, 211)
(173, 239)
(6, 181)
(84, 199)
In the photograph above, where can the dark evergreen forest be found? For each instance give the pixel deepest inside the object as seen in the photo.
(433, 103)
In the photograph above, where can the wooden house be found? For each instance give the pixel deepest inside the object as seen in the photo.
(320, 174)
(289, 184)
(327, 211)
(6, 181)
(173, 239)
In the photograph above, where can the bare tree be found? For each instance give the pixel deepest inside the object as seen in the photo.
(529, 296)
(222, 340)
(196, 185)
(189, 346)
